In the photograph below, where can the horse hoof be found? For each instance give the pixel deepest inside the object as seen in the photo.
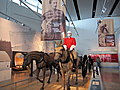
(48, 82)
(42, 88)
(68, 88)
(57, 80)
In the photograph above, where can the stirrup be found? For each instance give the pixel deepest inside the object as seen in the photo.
(73, 69)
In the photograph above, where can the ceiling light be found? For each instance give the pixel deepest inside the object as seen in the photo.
(103, 10)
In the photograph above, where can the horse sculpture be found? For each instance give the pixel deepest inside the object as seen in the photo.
(66, 64)
(43, 61)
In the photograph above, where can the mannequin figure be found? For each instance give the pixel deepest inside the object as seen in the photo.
(70, 44)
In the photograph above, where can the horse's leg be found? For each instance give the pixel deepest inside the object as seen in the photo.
(29, 69)
(57, 76)
(68, 82)
(44, 71)
(63, 81)
(63, 76)
(76, 76)
(58, 72)
(50, 74)
(38, 71)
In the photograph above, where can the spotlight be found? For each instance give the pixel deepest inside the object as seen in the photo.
(104, 10)
(8, 18)
(23, 24)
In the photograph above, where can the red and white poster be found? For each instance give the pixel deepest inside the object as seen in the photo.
(106, 33)
(53, 20)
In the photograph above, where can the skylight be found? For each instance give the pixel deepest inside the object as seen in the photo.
(33, 4)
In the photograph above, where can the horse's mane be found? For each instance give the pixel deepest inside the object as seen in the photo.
(34, 53)
(64, 55)
(46, 54)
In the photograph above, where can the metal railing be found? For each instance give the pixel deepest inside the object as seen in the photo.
(96, 82)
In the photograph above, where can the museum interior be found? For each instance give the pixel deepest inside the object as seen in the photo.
(59, 44)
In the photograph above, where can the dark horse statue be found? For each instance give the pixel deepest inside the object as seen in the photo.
(66, 64)
(43, 61)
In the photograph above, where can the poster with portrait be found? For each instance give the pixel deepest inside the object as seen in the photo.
(106, 33)
(53, 20)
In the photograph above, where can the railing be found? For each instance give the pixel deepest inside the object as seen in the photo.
(96, 82)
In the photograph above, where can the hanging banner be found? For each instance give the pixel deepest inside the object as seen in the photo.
(106, 57)
(106, 36)
(53, 20)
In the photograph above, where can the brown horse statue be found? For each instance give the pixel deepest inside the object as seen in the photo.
(43, 61)
(66, 64)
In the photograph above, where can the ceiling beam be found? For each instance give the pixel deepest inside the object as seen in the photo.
(113, 7)
(94, 8)
(76, 8)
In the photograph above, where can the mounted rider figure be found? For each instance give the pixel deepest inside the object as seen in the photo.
(69, 44)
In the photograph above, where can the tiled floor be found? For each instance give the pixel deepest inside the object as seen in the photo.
(35, 84)
(110, 78)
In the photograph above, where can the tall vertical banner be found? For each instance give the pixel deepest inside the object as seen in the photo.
(106, 36)
(53, 20)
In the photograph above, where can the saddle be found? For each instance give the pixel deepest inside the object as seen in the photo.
(68, 58)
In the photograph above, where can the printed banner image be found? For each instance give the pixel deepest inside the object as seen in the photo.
(53, 20)
(106, 33)
(110, 40)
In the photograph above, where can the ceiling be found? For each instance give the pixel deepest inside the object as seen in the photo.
(84, 9)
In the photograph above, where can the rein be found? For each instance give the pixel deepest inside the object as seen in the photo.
(67, 59)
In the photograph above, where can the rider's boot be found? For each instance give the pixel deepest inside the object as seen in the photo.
(74, 65)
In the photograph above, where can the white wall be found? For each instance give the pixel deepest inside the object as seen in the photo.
(23, 39)
(87, 41)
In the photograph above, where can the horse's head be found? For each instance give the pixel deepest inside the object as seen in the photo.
(34, 55)
(59, 51)
(26, 61)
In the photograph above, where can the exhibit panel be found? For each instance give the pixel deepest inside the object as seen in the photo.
(5, 70)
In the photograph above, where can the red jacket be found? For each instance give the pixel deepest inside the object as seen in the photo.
(69, 42)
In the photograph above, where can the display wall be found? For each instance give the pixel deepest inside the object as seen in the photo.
(87, 41)
(17, 38)
(119, 49)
